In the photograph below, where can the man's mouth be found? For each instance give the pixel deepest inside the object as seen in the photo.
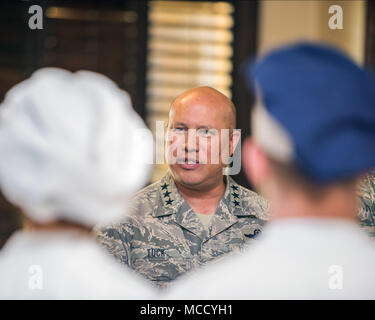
(188, 164)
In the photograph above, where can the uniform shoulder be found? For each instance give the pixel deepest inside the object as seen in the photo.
(253, 201)
(366, 212)
(140, 208)
(145, 201)
(367, 191)
(146, 192)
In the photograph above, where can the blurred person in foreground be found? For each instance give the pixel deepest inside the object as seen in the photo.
(196, 213)
(69, 159)
(313, 139)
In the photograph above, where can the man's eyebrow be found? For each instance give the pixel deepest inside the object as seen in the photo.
(180, 124)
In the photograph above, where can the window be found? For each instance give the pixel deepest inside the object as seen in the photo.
(189, 45)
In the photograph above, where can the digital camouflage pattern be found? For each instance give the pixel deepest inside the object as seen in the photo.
(164, 238)
(367, 204)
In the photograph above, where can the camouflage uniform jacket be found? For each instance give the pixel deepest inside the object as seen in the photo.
(163, 237)
(367, 204)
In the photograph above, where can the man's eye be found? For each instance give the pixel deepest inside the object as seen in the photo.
(178, 130)
(205, 132)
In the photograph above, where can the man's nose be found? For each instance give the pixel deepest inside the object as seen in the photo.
(191, 143)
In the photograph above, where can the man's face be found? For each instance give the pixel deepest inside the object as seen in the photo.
(193, 140)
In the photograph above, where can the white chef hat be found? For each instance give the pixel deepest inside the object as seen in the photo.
(71, 147)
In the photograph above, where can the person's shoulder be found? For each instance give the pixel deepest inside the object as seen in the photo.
(367, 192)
(145, 201)
(193, 285)
(249, 194)
(139, 214)
(116, 283)
(147, 193)
(252, 201)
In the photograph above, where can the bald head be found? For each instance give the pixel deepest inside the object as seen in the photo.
(211, 98)
(198, 125)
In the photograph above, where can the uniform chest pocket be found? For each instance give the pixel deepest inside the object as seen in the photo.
(159, 264)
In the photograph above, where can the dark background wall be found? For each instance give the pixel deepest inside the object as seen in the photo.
(104, 36)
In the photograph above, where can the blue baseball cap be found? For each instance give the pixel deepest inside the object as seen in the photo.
(325, 105)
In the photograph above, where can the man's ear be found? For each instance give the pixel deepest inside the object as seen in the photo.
(255, 162)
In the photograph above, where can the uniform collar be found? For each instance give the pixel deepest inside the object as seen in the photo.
(171, 200)
(229, 208)
(233, 197)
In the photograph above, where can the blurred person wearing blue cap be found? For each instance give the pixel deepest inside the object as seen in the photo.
(70, 158)
(313, 139)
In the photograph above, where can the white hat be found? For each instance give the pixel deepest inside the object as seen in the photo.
(71, 147)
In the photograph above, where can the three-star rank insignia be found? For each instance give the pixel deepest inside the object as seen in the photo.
(235, 196)
(166, 194)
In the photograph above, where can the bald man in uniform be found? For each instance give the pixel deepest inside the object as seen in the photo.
(196, 212)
